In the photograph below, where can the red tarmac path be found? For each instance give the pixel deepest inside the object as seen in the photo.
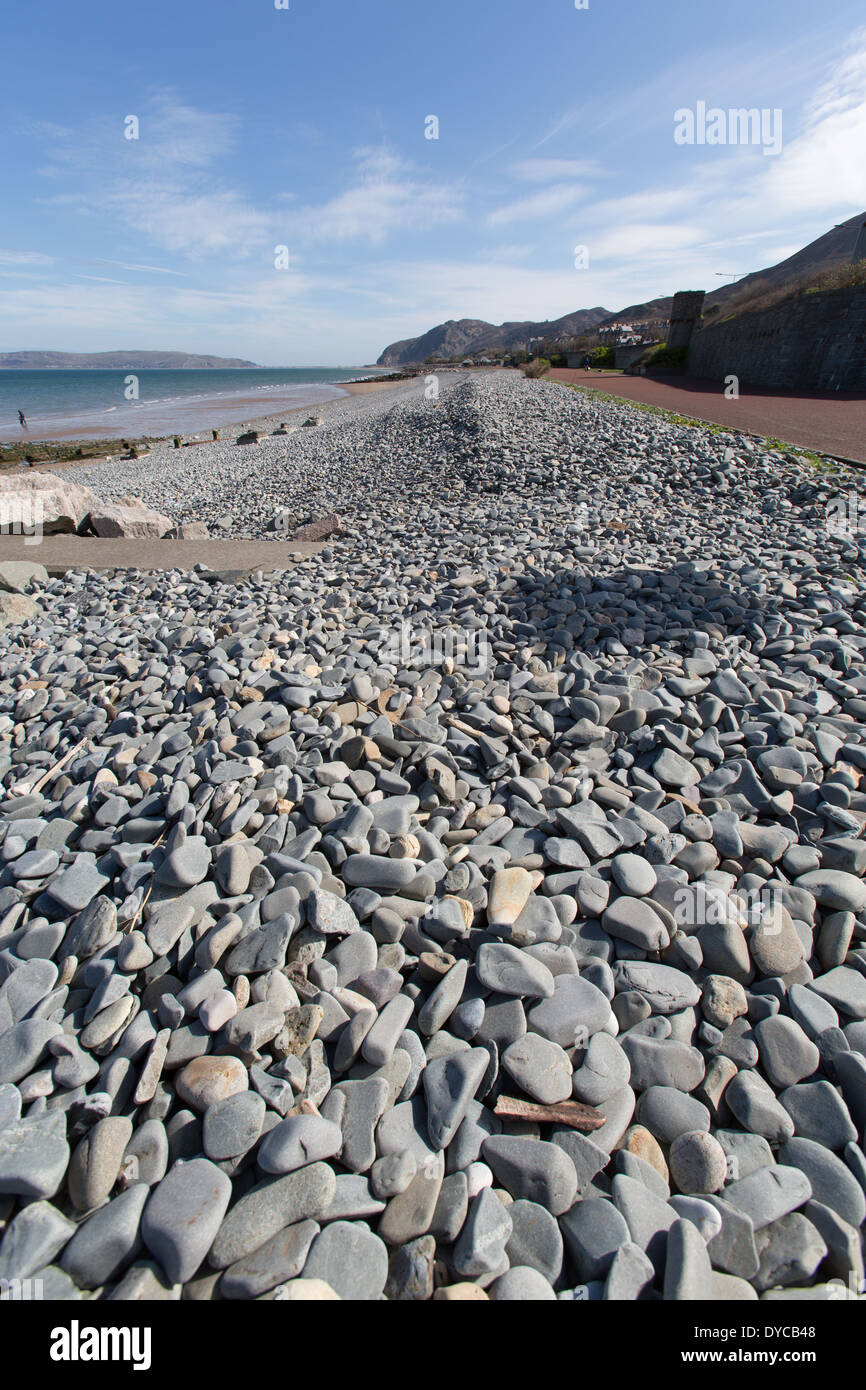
(830, 422)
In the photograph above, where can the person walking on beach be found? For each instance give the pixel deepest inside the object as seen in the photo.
(587, 364)
(22, 420)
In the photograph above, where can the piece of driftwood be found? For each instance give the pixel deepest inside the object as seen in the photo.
(564, 1112)
(27, 788)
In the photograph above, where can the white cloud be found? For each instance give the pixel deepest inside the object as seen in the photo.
(383, 197)
(548, 203)
(554, 170)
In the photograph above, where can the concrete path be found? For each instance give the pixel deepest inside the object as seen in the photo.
(61, 553)
(830, 422)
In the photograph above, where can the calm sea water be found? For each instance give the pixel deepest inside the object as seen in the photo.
(96, 404)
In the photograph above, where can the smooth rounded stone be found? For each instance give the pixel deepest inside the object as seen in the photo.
(253, 1027)
(698, 1162)
(452, 1204)
(263, 949)
(634, 920)
(831, 1182)
(507, 895)
(533, 1169)
(633, 875)
(480, 1247)
(329, 914)
(819, 1113)
(379, 1043)
(206, 1080)
(233, 867)
(593, 1231)
(107, 1241)
(667, 1112)
(843, 892)
(183, 1216)
(508, 970)
(522, 1284)
(306, 1291)
(630, 1274)
(27, 985)
(752, 1101)
(24, 1046)
(851, 1076)
(93, 928)
(629, 1009)
(145, 1158)
(450, 1083)
(768, 1193)
(353, 956)
(814, 1014)
(34, 1155)
(353, 1200)
(845, 1254)
(467, 1018)
(665, 989)
(350, 1259)
(444, 999)
(633, 1166)
(133, 953)
(701, 1214)
(269, 1207)
(541, 1068)
(574, 1011)
(217, 1010)
(605, 1069)
(410, 1271)
(410, 1213)
(688, 1272)
(662, 1062)
(71, 1067)
(592, 894)
(297, 1141)
(789, 1251)
(32, 1239)
(96, 1162)
(617, 1110)
(186, 865)
(723, 1000)
(391, 1174)
(774, 945)
(385, 875)
(232, 1126)
(745, 1153)
(278, 1260)
(535, 1240)
(378, 986)
(647, 1217)
(145, 1282)
(844, 988)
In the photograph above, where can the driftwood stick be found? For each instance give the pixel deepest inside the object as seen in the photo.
(564, 1112)
(26, 789)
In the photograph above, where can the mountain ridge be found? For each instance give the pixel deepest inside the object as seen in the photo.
(471, 336)
(130, 359)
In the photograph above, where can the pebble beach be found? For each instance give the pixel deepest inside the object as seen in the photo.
(474, 910)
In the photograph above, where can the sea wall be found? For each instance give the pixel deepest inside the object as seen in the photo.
(808, 342)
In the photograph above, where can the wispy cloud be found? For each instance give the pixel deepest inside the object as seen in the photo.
(547, 203)
(384, 196)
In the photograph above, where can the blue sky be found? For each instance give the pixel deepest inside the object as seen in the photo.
(305, 127)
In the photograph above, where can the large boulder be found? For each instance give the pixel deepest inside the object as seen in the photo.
(34, 503)
(318, 530)
(15, 575)
(130, 519)
(17, 608)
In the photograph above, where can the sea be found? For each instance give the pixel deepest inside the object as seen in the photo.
(114, 403)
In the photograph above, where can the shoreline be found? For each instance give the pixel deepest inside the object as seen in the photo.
(213, 413)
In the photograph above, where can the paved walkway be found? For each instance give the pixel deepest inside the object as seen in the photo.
(61, 553)
(830, 422)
